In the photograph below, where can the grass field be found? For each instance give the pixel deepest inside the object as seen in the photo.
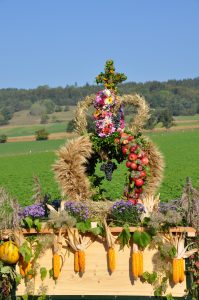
(31, 124)
(21, 161)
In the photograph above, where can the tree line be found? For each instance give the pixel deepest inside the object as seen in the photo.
(176, 97)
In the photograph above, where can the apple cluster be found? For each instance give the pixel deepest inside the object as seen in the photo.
(137, 164)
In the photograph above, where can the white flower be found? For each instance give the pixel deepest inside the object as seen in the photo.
(107, 92)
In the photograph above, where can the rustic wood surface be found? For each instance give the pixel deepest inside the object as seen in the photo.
(96, 280)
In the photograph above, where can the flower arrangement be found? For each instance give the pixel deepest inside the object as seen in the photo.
(106, 120)
(34, 211)
(78, 210)
(124, 212)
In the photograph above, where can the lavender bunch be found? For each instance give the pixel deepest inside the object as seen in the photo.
(34, 211)
(78, 210)
(125, 212)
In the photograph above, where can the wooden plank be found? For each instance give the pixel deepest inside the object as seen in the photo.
(112, 229)
(96, 280)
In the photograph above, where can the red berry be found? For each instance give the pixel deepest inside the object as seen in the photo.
(139, 168)
(139, 182)
(138, 190)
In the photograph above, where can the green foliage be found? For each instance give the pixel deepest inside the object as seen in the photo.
(84, 227)
(43, 273)
(124, 237)
(41, 135)
(26, 251)
(150, 277)
(8, 279)
(142, 239)
(44, 119)
(18, 166)
(3, 138)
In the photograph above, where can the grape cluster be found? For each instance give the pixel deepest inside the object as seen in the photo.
(108, 169)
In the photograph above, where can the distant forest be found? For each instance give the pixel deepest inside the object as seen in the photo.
(179, 97)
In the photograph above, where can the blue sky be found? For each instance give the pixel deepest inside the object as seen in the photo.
(60, 42)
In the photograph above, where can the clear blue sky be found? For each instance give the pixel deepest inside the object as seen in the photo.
(59, 42)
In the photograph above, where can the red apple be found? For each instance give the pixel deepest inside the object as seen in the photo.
(132, 156)
(128, 164)
(124, 150)
(131, 137)
(145, 160)
(139, 182)
(138, 190)
(124, 135)
(125, 142)
(133, 166)
(133, 201)
(139, 168)
(133, 148)
(140, 155)
(142, 174)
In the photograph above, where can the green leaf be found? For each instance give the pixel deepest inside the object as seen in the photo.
(142, 239)
(43, 273)
(18, 279)
(25, 251)
(28, 222)
(37, 224)
(51, 273)
(84, 226)
(124, 237)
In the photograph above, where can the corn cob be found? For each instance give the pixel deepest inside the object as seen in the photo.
(176, 270)
(181, 275)
(56, 265)
(76, 261)
(81, 258)
(111, 259)
(140, 265)
(135, 264)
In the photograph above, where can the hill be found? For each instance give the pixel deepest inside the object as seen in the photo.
(180, 97)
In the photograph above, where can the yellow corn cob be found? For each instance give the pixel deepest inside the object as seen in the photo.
(176, 270)
(56, 265)
(181, 273)
(76, 261)
(111, 259)
(81, 257)
(140, 264)
(135, 264)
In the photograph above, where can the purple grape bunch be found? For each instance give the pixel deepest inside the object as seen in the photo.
(34, 211)
(78, 210)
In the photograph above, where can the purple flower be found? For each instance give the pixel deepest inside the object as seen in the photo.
(34, 211)
(78, 210)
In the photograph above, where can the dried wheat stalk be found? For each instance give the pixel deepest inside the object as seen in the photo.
(70, 168)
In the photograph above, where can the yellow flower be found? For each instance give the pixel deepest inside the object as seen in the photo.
(108, 100)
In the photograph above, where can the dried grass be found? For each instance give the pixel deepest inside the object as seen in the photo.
(142, 116)
(156, 164)
(80, 114)
(70, 168)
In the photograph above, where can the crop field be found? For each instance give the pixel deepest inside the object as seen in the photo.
(21, 161)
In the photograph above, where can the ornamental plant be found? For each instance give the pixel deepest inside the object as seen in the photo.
(78, 210)
(31, 216)
(124, 212)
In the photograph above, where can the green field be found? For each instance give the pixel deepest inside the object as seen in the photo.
(21, 161)
(30, 129)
